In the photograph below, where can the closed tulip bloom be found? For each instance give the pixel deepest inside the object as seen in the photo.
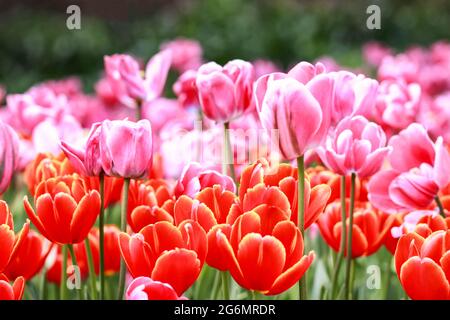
(88, 161)
(186, 53)
(423, 265)
(263, 251)
(298, 107)
(65, 209)
(10, 242)
(144, 288)
(356, 146)
(30, 257)
(225, 92)
(420, 168)
(9, 155)
(166, 253)
(126, 148)
(370, 228)
(11, 292)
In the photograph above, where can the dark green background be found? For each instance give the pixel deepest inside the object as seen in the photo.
(36, 45)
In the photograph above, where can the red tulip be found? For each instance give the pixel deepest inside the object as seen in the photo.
(30, 257)
(370, 228)
(423, 265)
(14, 292)
(112, 251)
(10, 242)
(65, 209)
(166, 253)
(143, 288)
(263, 251)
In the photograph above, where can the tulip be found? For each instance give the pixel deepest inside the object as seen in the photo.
(195, 178)
(422, 265)
(186, 90)
(14, 292)
(356, 146)
(420, 168)
(263, 251)
(65, 210)
(124, 71)
(9, 154)
(186, 53)
(225, 92)
(143, 288)
(165, 253)
(30, 257)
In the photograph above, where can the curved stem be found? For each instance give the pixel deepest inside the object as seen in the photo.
(343, 239)
(228, 153)
(225, 286)
(123, 228)
(101, 228)
(440, 206)
(63, 287)
(92, 276)
(348, 288)
(301, 217)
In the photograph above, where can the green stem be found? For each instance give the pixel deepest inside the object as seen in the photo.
(75, 267)
(123, 228)
(301, 217)
(63, 287)
(440, 206)
(101, 229)
(43, 284)
(343, 239)
(348, 288)
(228, 153)
(92, 276)
(225, 286)
(253, 294)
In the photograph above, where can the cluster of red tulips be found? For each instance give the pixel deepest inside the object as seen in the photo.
(251, 183)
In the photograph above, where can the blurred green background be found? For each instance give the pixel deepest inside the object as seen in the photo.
(35, 44)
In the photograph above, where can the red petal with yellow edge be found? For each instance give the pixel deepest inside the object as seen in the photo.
(185, 209)
(162, 236)
(64, 208)
(408, 246)
(179, 268)
(423, 279)
(291, 238)
(291, 276)
(7, 239)
(247, 223)
(18, 288)
(84, 216)
(215, 258)
(195, 238)
(262, 260)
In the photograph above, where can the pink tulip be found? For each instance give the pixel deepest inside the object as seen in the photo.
(186, 54)
(126, 148)
(374, 52)
(88, 161)
(9, 155)
(263, 67)
(397, 103)
(225, 92)
(420, 168)
(124, 71)
(356, 146)
(143, 288)
(353, 95)
(195, 178)
(186, 89)
(296, 104)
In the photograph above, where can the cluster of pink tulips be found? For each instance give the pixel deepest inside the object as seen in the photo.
(241, 186)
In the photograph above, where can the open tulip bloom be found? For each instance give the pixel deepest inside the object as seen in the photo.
(100, 200)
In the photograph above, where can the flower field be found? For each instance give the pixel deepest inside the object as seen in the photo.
(253, 182)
